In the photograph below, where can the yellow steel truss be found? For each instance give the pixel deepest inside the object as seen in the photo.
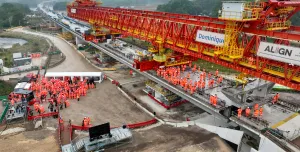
(285, 10)
(160, 56)
(230, 47)
(278, 25)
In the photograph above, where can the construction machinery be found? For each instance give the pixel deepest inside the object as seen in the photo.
(255, 38)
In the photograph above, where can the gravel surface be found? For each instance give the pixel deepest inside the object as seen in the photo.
(165, 139)
(30, 141)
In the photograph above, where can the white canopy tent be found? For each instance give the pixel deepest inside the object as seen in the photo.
(23, 85)
(98, 76)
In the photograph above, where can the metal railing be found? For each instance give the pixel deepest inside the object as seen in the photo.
(239, 16)
(278, 25)
(4, 113)
(161, 58)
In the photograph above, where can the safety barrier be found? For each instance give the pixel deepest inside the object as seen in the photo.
(59, 132)
(4, 113)
(36, 55)
(130, 126)
(54, 52)
(142, 124)
(33, 68)
(170, 106)
(42, 115)
(3, 97)
(108, 69)
(4, 100)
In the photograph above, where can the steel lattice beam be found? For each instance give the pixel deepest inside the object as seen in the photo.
(178, 31)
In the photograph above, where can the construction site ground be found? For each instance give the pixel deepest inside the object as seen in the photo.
(165, 138)
(104, 104)
(107, 104)
(14, 138)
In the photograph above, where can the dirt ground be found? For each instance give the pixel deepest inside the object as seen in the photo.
(29, 141)
(104, 104)
(166, 138)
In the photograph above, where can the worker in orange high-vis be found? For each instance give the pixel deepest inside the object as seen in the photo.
(256, 112)
(215, 100)
(130, 72)
(84, 122)
(217, 72)
(41, 109)
(209, 84)
(71, 95)
(35, 106)
(261, 110)
(220, 79)
(67, 103)
(247, 112)
(211, 99)
(275, 98)
(203, 85)
(78, 97)
(239, 112)
(209, 75)
(88, 121)
(12, 102)
(255, 107)
(61, 123)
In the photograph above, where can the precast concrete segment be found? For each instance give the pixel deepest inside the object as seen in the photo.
(203, 103)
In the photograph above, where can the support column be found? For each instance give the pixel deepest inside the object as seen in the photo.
(79, 41)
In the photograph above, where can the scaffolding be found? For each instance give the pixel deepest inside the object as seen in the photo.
(230, 47)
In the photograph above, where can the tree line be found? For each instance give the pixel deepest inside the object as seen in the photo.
(60, 6)
(202, 7)
(13, 14)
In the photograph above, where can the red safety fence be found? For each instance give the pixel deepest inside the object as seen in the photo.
(42, 115)
(178, 103)
(59, 132)
(142, 124)
(130, 126)
(35, 55)
(170, 106)
(30, 103)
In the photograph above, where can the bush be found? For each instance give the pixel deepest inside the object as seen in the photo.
(5, 88)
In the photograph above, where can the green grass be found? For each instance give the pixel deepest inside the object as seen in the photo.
(208, 66)
(5, 88)
(7, 58)
(34, 21)
(137, 42)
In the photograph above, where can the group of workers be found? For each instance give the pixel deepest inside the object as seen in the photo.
(13, 98)
(59, 92)
(173, 75)
(213, 100)
(257, 111)
(86, 122)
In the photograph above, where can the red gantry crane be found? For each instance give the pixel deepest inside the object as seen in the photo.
(255, 38)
